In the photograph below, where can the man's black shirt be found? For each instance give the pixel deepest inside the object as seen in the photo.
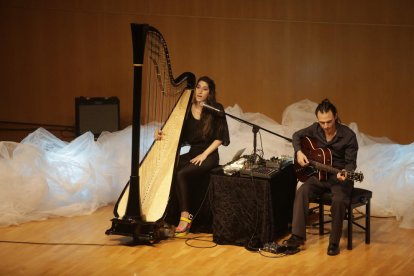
(344, 145)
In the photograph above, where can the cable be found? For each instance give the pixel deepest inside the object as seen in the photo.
(198, 238)
(99, 244)
(59, 243)
(272, 255)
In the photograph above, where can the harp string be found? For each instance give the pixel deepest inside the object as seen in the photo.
(159, 96)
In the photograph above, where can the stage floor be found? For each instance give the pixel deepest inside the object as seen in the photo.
(79, 246)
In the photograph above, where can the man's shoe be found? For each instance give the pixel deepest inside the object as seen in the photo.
(333, 249)
(294, 241)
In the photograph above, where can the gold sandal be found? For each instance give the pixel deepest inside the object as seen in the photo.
(186, 230)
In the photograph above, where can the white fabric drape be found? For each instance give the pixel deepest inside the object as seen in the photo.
(42, 176)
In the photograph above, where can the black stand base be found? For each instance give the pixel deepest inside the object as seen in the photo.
(141, 232)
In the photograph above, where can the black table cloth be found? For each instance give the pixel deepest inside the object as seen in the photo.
(251, 211)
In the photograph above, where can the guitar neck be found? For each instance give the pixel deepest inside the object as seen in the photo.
(324, 167)
(349, 175)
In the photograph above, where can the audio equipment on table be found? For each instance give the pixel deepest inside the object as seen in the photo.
(267, 168)
(259, 172)
(235, 165)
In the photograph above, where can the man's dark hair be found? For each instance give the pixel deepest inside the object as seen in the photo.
(326, 106)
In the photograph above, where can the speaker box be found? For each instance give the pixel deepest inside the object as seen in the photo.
(96, 115)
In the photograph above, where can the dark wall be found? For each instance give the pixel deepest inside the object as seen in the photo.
(264, 55)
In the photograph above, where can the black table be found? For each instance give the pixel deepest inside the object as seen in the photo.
(251, 211)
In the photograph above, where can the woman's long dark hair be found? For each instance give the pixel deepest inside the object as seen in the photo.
(206, 116)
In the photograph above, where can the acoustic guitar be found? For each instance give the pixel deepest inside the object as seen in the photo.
(320, 163)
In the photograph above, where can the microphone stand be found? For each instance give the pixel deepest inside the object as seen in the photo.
(255, 130)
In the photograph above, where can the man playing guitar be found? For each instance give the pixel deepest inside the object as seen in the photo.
(341, 153)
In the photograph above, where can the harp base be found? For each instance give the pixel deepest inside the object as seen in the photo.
(141, 232)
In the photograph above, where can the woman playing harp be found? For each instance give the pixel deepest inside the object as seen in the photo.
(204, 131)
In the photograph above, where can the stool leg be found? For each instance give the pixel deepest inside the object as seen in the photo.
(350, 223)
(368, 222)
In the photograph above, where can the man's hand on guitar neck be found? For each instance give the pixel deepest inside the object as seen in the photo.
(301, 158)
(341, 175)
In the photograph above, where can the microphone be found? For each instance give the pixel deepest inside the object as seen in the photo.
(212, 108)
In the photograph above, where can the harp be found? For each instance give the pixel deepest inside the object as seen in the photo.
(159, 102)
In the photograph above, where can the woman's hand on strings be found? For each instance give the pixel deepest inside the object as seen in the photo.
(158, 135)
